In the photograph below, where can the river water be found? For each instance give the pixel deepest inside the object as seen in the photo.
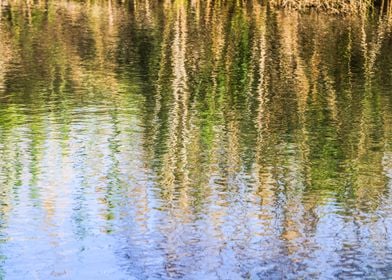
(193, 140)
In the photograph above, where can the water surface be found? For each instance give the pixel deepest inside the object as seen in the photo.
(193, 140)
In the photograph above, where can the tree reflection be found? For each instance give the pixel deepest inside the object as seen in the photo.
(185, 127)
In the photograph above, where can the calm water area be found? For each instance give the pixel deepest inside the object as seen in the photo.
(187, 139)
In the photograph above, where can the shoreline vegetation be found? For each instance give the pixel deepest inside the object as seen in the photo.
(336, 6)
(382, 8)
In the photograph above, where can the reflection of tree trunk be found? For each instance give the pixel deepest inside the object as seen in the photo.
(28, 6)
(162, 69)
(263, 168)
(178, 115)
(5, 57)
(298, 79)
(175, 160)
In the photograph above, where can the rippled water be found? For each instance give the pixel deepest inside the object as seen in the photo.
(193, 140)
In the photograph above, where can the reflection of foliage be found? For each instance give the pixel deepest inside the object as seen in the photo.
(318, 126)
(288, 108)
(264, 78)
